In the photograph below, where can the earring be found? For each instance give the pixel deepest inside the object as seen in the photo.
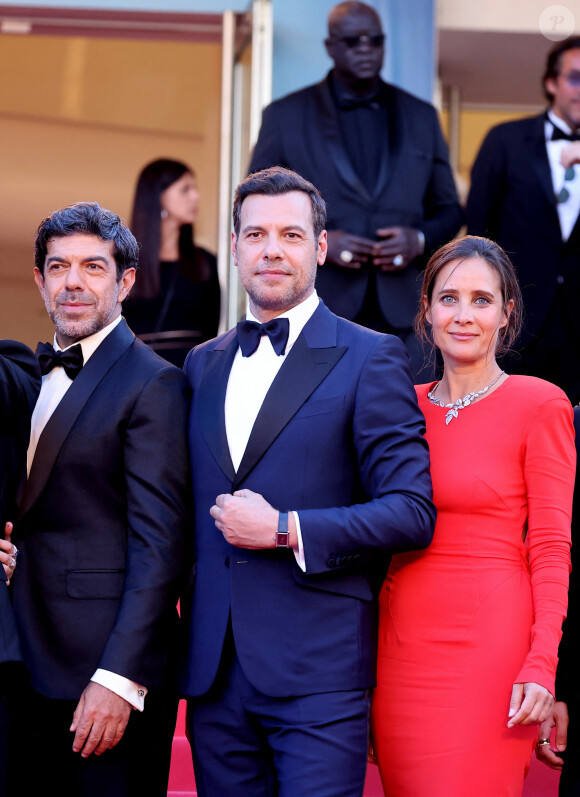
(164, 214)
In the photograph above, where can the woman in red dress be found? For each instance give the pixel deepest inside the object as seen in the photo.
(469, 628)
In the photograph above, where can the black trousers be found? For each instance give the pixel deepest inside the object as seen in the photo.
(40, 754)
(570, 777)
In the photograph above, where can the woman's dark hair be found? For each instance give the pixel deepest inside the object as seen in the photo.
(146, 227)
(554, 61)
(88, 218)
(472, 246)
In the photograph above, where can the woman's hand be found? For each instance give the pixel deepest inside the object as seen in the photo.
(530, 704)
(8, 553)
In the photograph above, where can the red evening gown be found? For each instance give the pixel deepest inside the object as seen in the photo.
(482, 607)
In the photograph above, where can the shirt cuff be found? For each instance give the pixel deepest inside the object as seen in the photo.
(130, 691)
(299, 554)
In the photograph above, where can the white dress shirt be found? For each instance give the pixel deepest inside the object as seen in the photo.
(567, 211)
(249, 381)
(54, 386)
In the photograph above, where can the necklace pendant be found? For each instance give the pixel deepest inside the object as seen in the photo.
(450, 416)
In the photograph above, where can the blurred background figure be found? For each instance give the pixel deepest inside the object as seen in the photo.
(175, 303)
(377, 156)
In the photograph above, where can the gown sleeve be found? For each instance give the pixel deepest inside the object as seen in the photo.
(549, 467)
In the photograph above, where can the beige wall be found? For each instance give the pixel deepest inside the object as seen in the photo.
(474, 124)
(78, 120)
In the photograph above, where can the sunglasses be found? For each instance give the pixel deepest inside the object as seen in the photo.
(573, 77)
(351, 42)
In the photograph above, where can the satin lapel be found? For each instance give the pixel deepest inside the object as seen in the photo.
(390, 152)
(540, 163)
(304, 369)
(330, 133)
(212, 399)
(63, 418)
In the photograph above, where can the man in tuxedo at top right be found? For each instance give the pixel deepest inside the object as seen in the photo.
(525, 194)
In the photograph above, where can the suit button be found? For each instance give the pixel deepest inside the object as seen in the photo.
(331, 563)
(560, 279)
(227, 561)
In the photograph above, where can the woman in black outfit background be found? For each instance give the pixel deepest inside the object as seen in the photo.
(175, 303)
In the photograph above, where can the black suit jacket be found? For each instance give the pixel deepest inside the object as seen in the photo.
(414, 187)
(103, 522)
(567, 684)
(19, 386)
(512, 201)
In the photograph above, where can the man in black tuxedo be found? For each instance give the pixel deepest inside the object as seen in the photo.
(101, 529)
(525, 194)
(19, 386)
(309, 468)
(564, 752)
(378, 157)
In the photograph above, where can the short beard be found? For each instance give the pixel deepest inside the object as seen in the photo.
(77, 330)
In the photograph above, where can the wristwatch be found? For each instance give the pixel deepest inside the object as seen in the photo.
(282, 536)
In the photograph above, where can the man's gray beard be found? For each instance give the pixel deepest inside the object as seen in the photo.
(82, 329)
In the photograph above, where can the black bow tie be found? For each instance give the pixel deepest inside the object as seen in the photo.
(350, 102)
(250, 332)
(560, 135)
(70, 359)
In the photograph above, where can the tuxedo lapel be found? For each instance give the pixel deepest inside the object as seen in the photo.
(390, 152)
(329, 131)
(308, 363)
(63, 418)
(539, 161)
(212, 399)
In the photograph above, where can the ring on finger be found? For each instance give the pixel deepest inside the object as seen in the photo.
(346, 256)
(542, 742)
(15, 552)
(12, 561)
(398, 261)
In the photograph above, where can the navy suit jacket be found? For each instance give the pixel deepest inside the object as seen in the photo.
(338, 438)
(414, 188)
(103, 522)
(512, 202)
(19, 386)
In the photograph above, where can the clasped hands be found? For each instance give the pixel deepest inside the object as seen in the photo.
(247, 520)
(403, 241)
(8, 553)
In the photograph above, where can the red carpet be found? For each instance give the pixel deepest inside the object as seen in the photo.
(541, 782)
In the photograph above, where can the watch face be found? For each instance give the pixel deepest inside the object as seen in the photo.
(282, 539)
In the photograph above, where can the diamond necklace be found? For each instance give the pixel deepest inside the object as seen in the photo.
(461, 403)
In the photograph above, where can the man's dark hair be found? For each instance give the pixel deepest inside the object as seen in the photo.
(275, 182)
(88, 218)
(554, 61)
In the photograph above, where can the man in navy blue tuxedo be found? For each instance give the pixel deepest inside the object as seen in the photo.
(309, 469)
